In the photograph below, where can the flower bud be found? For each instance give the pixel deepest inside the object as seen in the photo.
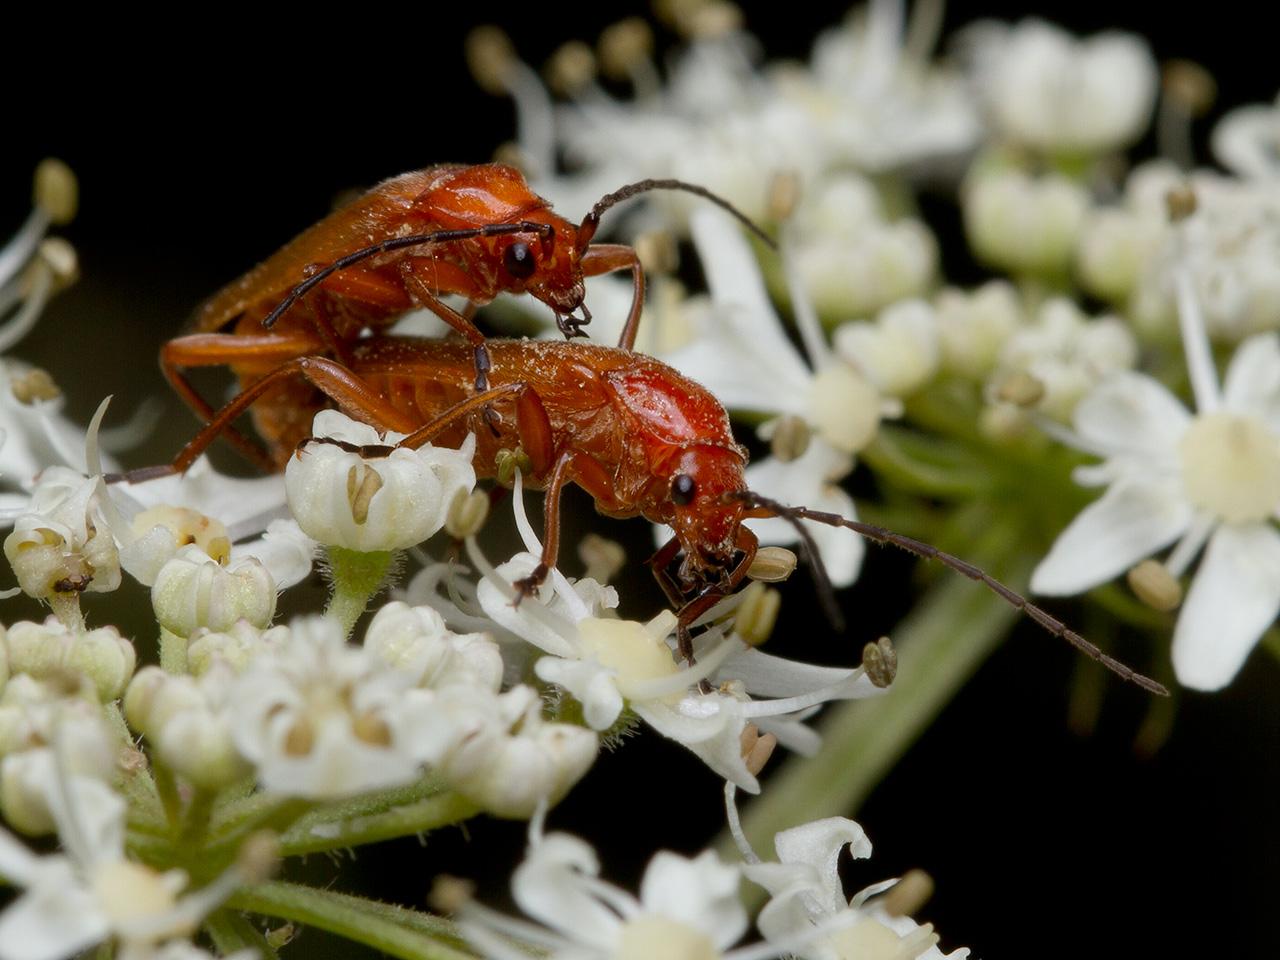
(378, 503)
(844, 407)
(1023, 224)
(416, 640)
(193, 591)
(974, 325)
(101, 655)
(899, 353)
(235, 646)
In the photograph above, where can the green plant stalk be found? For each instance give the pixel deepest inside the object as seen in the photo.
(317, 835)
(173, 653)
(397, 931)
(940, 644)
(356, 578)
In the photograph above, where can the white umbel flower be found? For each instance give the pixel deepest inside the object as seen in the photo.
(1212, 477)
(319, 718)
(687, 908)
(807, 894)
(94, 893)
(382, 503)
(48, 650)
(1054, 93)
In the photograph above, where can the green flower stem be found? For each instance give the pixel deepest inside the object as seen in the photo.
(173, 653)
(400, 821)
(231, 931)
(356, 578)
(145, 810)
(940, 644)
(394, 930)
(167, 790)
(195, 822)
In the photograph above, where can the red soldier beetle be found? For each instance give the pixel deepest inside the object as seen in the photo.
(638, 436)
(476, 231)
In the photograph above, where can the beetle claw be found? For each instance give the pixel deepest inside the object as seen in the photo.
(528, 586)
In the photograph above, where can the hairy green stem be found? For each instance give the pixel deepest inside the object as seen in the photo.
(408, 934)
(356, 578)
(316, 833)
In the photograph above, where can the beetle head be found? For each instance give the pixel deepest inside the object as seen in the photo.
(546, 265)
(695, 500)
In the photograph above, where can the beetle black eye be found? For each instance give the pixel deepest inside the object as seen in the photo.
(683, 489)
(519, 261)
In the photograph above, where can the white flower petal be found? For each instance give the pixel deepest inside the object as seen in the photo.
(1252, 384)
(711, 727)
(552, 886)
(1131, 413)
(1235, 596)
(1130, 521)
(809, 481)
(702, 893)
(55, 918)
(818, 844)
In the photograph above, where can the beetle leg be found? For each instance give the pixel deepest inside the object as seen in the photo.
(218, 349)
(335, 381)
(422, 279)
(606, 258)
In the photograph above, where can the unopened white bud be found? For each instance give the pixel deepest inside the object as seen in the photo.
(524, 772)
(974, 326)
(899, 353)
(844, 407)
(373, 504)
(416, 640)
(1023, 224)
(193, 591)
(142, 695)
(1114, 247)
(102, 656)
(235, 646)
(467, 513)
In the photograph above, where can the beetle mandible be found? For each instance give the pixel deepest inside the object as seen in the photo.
(476, 231)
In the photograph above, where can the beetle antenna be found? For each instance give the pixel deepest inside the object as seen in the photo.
(821, 580)
(592, 220)
(399, 243)
(929, 552)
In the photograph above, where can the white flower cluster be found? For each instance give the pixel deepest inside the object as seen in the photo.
(690, 907)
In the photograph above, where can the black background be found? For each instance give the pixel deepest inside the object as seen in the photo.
(205, 141)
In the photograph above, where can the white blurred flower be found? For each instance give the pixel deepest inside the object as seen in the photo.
(1022, 223)
(1066, 353)
(390, 502)
(875, 101)
(1212, 477)
(1050, 91)
(850, 257)
(899, 352)
(1247, 141)
(973, 327)
(1230, 246)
